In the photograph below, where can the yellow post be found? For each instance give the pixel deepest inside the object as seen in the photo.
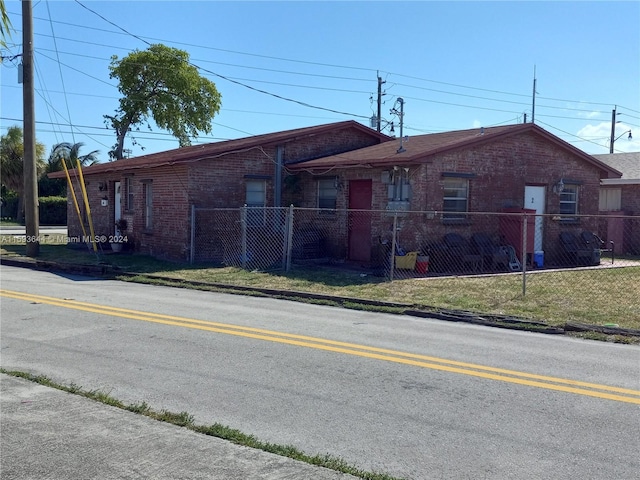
(86, 204)
(75, 200)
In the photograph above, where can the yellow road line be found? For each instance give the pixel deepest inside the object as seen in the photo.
(424, 361)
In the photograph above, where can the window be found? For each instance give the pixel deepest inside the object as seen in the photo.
(569, 200)
(456, 198)
(128, 191)
(327, 193)
(147, 191)
(610, 199)
(256, 201)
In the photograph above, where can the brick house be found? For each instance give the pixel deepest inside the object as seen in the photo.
(619, 198)
(154, 193)
(451, 175)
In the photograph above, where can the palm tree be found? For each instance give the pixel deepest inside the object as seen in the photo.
(70, 154)
(5, 24)
(12, 163)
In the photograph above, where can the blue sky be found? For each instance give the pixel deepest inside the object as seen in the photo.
(457, 65)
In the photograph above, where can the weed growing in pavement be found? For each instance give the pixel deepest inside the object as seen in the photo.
(184, 419)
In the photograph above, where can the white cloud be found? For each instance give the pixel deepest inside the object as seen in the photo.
(589, 115)
(477, 124)
(601, 134)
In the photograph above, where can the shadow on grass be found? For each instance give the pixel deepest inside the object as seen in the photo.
(330, 276)
(127, 262)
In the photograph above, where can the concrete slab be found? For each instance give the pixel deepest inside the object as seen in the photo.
(50, 434)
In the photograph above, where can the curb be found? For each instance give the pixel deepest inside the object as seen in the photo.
(420, 311)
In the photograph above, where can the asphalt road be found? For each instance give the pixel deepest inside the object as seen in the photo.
(415, 398)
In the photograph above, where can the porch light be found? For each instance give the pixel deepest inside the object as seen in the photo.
(559, 187)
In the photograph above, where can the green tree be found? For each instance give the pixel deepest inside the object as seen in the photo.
(161, 83)
(12, 164)
(69, 153)
(5, 24)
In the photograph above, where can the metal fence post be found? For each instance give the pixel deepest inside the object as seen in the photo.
(289, 238)
(192, 249)
(243, 236)
(524, 253)
(392, 265)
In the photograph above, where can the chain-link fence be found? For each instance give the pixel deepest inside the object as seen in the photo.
(406, 244)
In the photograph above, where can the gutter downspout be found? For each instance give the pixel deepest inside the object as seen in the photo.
(277, 185)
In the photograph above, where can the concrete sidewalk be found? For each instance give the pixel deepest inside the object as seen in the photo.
(43, 230)
(51, 434)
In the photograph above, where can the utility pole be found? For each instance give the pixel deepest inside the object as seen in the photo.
(379, 120)
(401, 101)
(533, 106)
(31, 218)
(613, 128)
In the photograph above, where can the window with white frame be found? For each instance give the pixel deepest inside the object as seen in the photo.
(147, 192)
(256, 198)
(569, 201)
(327, 193)
(128, 191)
(455, 203)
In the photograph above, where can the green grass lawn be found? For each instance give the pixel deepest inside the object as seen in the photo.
(5, 222)
(592, 296)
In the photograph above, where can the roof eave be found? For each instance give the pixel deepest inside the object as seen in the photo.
(619, 181)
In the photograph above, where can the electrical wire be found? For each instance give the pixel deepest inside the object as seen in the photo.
(358, 79)
(281, 97)
(387, 74)
(146, 40)
(55, 43)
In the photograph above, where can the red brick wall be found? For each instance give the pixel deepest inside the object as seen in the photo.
(631, 206)
(170, 234)
(630, 198)
(102, 216)
(221, 183)
(218, 182)
(327, 144)
(501, 169)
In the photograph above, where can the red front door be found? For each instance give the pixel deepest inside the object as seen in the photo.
(360, 221)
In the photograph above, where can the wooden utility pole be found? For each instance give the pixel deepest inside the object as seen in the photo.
(613, 128)
(31, 218)
(533, 102)
(379, 122)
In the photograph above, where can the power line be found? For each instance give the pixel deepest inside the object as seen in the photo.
(571, 134)
(240, 80)
(146, 40)
(336, 77)
(78, 70)
(60, 70)
(281, 97)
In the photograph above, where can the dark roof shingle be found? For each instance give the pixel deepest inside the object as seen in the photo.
(627, 163)
(419, 148)
(212, 150)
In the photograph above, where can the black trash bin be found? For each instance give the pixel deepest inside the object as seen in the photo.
(383, 260)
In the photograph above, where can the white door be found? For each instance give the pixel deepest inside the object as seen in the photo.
(116, 205)
(534, 199)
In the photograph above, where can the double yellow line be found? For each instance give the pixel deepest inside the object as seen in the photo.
(424, 361)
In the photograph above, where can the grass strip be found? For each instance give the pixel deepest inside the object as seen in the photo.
(185, 419)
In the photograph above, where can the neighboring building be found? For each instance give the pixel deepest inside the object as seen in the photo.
(452, 174)
(621, 197)
(154, 193)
